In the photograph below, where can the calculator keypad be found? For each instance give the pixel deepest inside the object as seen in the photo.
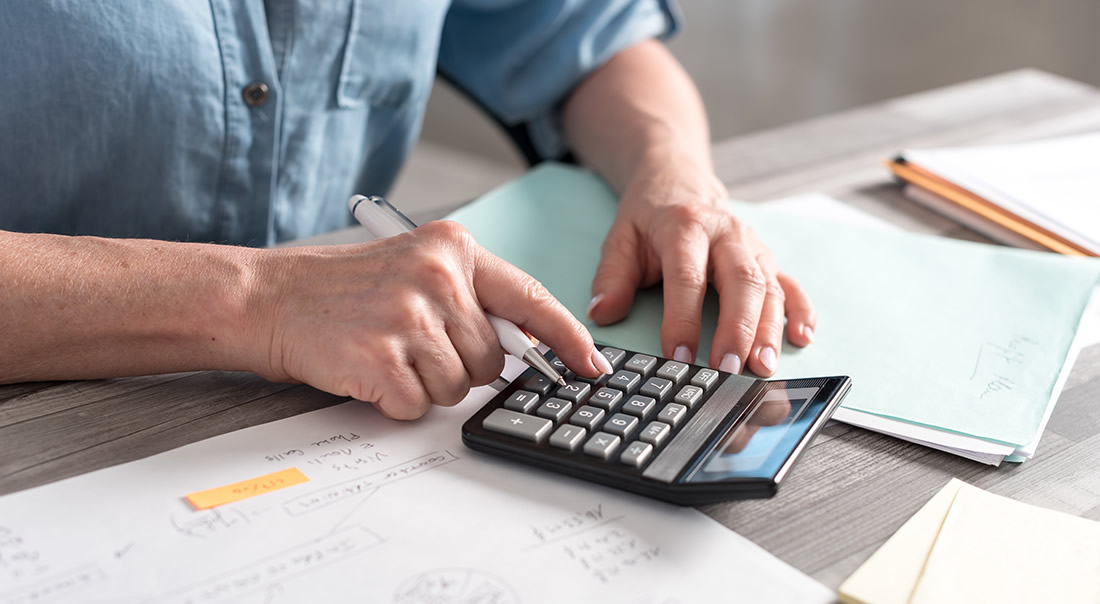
(624, 418)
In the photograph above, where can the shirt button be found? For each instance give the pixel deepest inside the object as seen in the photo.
(255, 94)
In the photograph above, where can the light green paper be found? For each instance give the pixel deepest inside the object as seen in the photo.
(959, 336)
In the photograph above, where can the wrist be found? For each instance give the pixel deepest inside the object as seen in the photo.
(250, 304)
(670, 174)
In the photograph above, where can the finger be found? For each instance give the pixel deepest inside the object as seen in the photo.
(476, 343)
(402, 395)
(684, 271)
(618, 275)
(441, 371)
(769, 331)
(742, 288)
(801, 317)
(509, 293)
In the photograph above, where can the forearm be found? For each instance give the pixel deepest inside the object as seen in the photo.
(638, 109)
(85, 307)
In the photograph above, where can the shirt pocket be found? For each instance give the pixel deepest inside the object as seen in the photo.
(390, 53)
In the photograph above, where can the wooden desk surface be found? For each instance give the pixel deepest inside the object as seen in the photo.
(852, 490)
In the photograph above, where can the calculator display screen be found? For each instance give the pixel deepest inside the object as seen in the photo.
(759, 444)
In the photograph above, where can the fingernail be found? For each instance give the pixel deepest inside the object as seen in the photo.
(808, 332)
(767, 357)
(731, 363)
(682, 354)
(601, 362)
(591, 305)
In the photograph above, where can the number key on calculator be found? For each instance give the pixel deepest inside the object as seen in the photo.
(678, 432)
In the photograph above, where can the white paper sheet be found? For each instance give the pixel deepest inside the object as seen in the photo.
(393, 512)
(1051, 183)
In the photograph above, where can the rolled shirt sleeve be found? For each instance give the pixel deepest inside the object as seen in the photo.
(519, 59)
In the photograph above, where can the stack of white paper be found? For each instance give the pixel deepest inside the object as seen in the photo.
(1053, 184)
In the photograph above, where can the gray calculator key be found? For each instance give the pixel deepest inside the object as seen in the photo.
(673, 371)
(555, 408)
(621, 424)
(596, 382)
(614, 356)
(588, 417)
(567, 437)
(655, 433)
(673, 414)
(627, 381)
(538, 383)
(640, 406)
(688, 396)
(522, 401)
(527, 427)
(642, 364)
(705, 379)
(560, 367)
(636, 454)
(602, 445)
(574, 391)
(658, 388)
(606, 398)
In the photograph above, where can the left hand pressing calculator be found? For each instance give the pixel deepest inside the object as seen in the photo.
(673, 431)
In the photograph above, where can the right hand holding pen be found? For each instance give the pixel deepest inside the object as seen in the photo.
(400, 322)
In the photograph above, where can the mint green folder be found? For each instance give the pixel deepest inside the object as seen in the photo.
(955, 335)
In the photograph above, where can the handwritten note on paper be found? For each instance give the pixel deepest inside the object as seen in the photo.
(244, 489)
(429, 522)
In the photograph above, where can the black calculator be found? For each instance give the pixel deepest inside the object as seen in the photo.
(669, 430)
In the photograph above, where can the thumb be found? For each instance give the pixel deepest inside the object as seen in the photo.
(618, 276)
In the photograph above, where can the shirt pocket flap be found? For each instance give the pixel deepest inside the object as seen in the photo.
(390, 53)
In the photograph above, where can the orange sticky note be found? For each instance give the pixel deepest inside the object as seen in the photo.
(204, 500)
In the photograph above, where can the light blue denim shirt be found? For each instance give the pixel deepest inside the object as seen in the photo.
(251, 122)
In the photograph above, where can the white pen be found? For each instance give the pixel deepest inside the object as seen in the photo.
(384, 220)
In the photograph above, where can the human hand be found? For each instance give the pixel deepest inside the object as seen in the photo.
(672, 226)
(401, 322)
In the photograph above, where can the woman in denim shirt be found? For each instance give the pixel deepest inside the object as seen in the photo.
(138, 139)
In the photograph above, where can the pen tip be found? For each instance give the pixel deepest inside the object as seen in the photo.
(561, 381)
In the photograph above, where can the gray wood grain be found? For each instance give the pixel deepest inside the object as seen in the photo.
(852, 489)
